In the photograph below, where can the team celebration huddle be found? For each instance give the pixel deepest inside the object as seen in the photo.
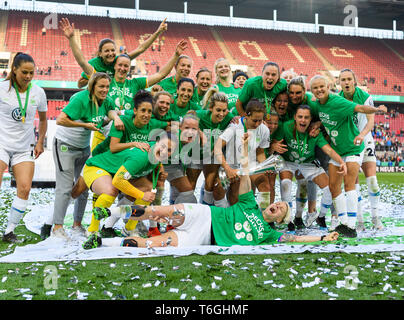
(128, 140)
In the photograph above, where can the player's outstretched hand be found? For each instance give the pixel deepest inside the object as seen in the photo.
(67, 28)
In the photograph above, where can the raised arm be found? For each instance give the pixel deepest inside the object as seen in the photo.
(68, 31)
(245, 181)
(166, 69)
(146, 44)
(370, 109)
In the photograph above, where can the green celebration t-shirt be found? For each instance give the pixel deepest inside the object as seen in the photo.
(307, 100)
(100, 66)
(212, 130)
(231, 94)
(302, 148)
(176, 110)
(135, 161)
(242, 224)
(122, 93)
(196, 98)
(359, 97)
(169, 116)
(169, 84)
(131, 133)
(337, 117)
(81, 107)
(254, 89)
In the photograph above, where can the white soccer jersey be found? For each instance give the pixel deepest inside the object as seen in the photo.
(232, 136)
(363, 120)
(17, 136)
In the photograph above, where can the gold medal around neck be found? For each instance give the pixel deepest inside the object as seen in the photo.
(23, 110)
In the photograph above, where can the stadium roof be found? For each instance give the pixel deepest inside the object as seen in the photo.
(371, 13)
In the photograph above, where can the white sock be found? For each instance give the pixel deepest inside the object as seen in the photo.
(359, 214)
(374, 195)
(16, 213)
(301, 197)
(286, 188)
(352, 207)
(112, 242)
(222, 203)
(113, 219)
(208, 197)
(326, 201)
(340, 208)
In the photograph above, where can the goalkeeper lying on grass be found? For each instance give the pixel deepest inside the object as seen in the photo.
(198, 224)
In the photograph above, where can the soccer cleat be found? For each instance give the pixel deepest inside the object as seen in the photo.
(153, 232)
(377, 224)
(299, 223)
(291, 226)
(310, 218)
(93, 241)
(321, 223)
(129, 243)
(345, 231)
(11, 238)
(45, 231)
(101, 213)
(109, 232)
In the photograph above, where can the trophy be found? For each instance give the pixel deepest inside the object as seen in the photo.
(273, 163)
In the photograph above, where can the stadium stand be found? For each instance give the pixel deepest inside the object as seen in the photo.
(379, 62)
(201, 43)
(369, 58)
(54, 108)
(47, 49)
(256, 47)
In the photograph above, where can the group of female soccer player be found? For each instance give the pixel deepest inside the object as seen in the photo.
(182, 127)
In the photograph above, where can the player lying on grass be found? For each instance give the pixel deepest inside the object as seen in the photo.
(240, 224)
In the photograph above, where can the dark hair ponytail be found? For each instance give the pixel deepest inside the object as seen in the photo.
(142, 96)
(18, 60)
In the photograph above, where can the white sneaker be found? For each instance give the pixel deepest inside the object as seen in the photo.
(377, 224)
(61, 233)
(79, 231)
(310, 218)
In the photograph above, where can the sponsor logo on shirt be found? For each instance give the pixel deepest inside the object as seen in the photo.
(16, 114)
(255, 223)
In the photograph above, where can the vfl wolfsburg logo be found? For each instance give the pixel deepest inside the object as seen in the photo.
(16, 114)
